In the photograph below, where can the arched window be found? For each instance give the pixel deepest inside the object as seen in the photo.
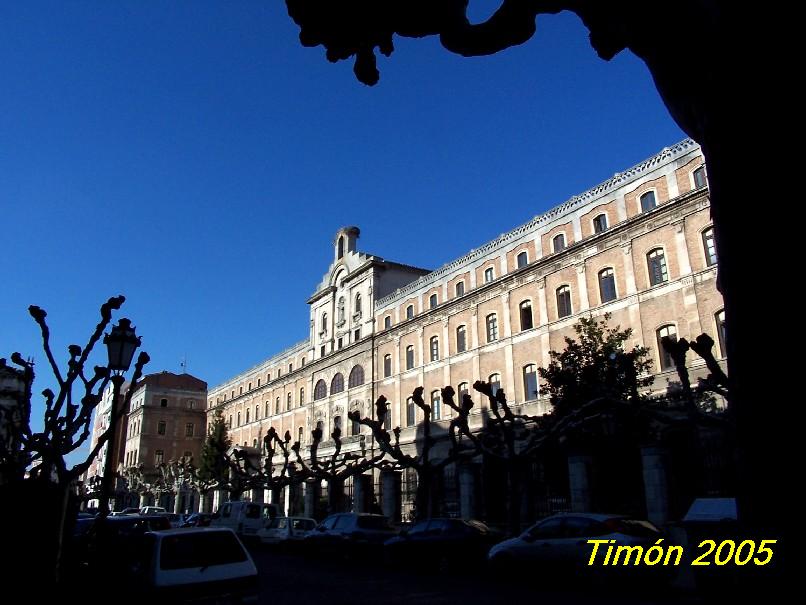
(409, 311)
(302, 395)
(337, 424)
(460, 288)
(356, 377)
(719, 317)
(558, 242)
(461, 391)
(495, 383)
(277, 406)
(699, 177)
(523, 259)
(340, 309)
(600, 223)
(257, 412)
(530, 382)
(666, 361)
(355, 427)
(387, 366)
(607, 285)
(411, 417)
(337, 384)
(268, 377)
(163, 424)
(254, 442)
(436, 405)
(648, 201)
(409, 357)
(526, 315)
(492, 327)
(247, 415)
(387, 421)
(461, 339)
(324, 323)
(320, 426)
(341, 246)
(299, 435)
(357, 310)
(564, 301)
(434, 347)
(432, 301)
(387, 322)
(656, 263)
(709, 245)
(320, 390)
(268, 410)
(229, 424)
(489, 275)
(288, 401)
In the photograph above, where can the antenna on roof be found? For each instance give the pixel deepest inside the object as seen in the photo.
(184, 364)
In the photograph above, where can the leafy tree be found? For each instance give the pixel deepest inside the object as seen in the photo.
(595, 366)
(214, 465)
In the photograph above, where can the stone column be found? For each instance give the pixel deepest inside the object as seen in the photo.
(178, 502)
(257, 495)
(390, 483)
(656, 486)
(313, 490)
(362, 493)
(579, 469)
(335, 496)
(143, 500)
(467, 491)
(204, 502)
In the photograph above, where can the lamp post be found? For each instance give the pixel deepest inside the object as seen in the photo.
(121, 344)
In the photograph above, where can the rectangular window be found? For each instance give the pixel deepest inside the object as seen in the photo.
(492, 328)
(409, 357)
(600, 223)
(161, 427)
(357, 335)
(322, 351)
(387, 366)
(410, 412)
(340, 343)
(461, 339)
(488, 275)
(159, 457)
(189, 429)
(523, 260)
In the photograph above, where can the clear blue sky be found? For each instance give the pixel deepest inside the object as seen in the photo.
(194, 157)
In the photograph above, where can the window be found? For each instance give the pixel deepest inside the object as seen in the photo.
(268, 377)
(299, 435)
(492, 327)
(288, 401)
(189, 429)
(337, 424)
(324, 323)
(607, 285)
(355, 427)
(387, 420)
(461, 339)
(290, 367)
(268, 410)
(164, 402)
(320, 426)
(436, 405)
(409, 311)
(699, 177)
(710, 246)
(410, 412)
(656, 262)
(340, 343)
(648, 201)
(563, 301)
(247, 415)
(159, 457)
(191, 404)
(387, 366)
(239, 419)
(387, 322)
(277, 406)
(523, 259)
(340, 310)
(257, 412)
(188, 455)
(341, 247)
(250, 386)
(666, 361)
(357, 335)
(558, 243)
(229, 423)
(357, 310)
(302, 395)
(409, 357)
(720, 332)
(322, 351)
(240, 390)
(356, 377)
(600, 223)
(161, 426)
(258, 382)
(434, 347)
(530, 382)
(303, 362)
(495, 383)
(279, 372)
(254, 442)
(462, 391)
(337, 384)
(460, 288)
(489, 275)
(526, 315)
(432, 301)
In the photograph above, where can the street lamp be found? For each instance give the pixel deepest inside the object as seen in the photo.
(121, 344)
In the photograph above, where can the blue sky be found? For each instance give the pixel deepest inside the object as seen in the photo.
(194, 157)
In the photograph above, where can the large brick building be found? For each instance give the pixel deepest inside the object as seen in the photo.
(639, 246)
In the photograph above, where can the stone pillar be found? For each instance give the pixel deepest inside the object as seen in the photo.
(656, 486)
(390, 484)
(257, 495)
(178, 502)
(313, 490)
(205, 503)
(579, 469)
(143, 500)
(362, 493)
(295, 499)
(335, 496)
(467, 491)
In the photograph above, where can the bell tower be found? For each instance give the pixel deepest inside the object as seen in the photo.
(345, 241)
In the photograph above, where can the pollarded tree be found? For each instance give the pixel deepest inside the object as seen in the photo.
(595, 366)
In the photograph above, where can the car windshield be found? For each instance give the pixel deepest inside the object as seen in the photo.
(181, 551)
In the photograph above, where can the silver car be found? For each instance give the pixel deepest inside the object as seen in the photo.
(284, 530)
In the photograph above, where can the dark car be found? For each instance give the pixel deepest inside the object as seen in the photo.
(349, 535)
(198, 520)
(441, 544)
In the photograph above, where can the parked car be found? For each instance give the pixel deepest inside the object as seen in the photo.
(283, 531)
(561, 541)
(175, 519)
(200, 564)
(244, 518)
(441, 544)
(152, 510)
(198, 520)
(349, 535)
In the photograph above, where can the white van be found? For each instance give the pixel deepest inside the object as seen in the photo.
(244, 518)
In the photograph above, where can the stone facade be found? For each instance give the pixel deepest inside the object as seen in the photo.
(638, 246)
